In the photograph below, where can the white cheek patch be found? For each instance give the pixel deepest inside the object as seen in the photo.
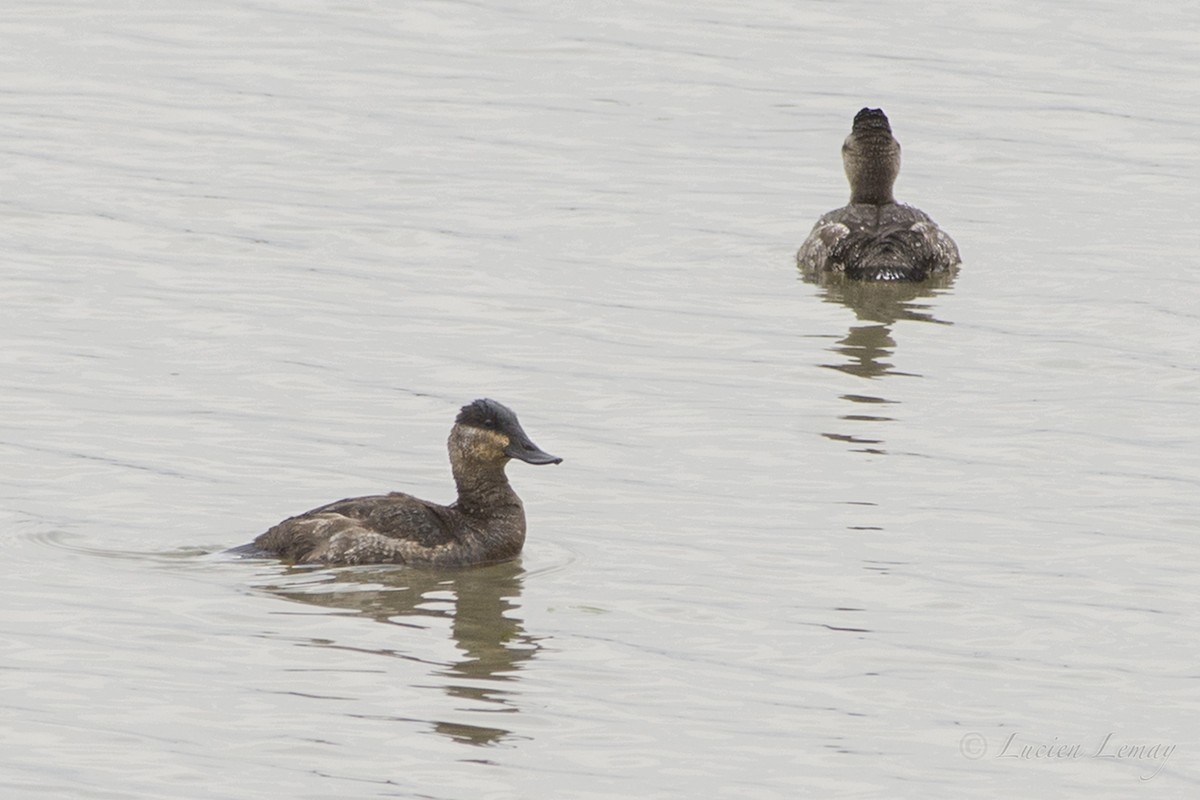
(482, 443)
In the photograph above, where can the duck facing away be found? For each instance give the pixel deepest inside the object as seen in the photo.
(485, 524)
(874, 238)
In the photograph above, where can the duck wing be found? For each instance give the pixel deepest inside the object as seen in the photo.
(393, 528)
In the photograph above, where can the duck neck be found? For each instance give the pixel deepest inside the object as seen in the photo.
(872, 162)
(484, 491)
(872, 195)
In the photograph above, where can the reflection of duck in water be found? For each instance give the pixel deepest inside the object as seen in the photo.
(486, 523)
(482, 608)
(870, 346)
(875, 238)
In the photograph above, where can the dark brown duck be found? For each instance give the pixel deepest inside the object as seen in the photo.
(485, 524)
(874, 238)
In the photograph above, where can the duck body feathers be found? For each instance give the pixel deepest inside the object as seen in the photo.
(884, 242)
(397, 528)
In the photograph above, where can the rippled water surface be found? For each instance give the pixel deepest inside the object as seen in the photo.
(825, 541)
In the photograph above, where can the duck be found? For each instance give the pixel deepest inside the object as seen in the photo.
(485, 524)
(874, 238)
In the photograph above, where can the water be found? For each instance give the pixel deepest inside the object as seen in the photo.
(807, 541)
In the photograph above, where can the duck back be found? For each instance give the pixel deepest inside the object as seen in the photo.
(888, 242)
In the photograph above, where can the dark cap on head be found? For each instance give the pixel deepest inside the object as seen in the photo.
(485, 413)
(871, 119)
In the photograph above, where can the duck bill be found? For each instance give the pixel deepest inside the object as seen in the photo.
(520, 447)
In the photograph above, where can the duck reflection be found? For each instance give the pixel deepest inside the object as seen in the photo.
(868, 348)
(478, 602)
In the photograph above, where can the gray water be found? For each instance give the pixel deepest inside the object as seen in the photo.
(806, 541)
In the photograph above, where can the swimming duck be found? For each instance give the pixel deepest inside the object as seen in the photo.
(485, 524)
(874, 238)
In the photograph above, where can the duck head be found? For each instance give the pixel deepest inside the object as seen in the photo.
(871, 156)
(488, 432)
